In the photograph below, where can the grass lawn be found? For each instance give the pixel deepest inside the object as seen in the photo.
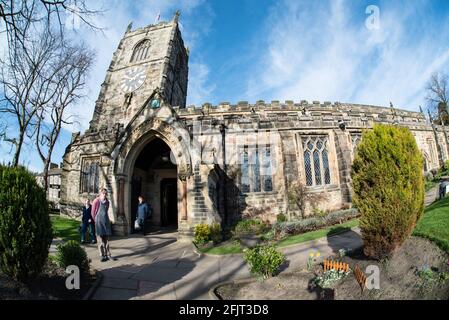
(313, 235)
(64, 228)
(229, 248)
(224, 248)
(434, 224)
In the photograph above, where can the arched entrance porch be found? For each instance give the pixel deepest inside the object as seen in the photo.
(154, 177)
(143, 151)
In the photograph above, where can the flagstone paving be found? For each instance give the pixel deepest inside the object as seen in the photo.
(158, 267)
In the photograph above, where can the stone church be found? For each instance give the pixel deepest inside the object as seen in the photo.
(214, 163)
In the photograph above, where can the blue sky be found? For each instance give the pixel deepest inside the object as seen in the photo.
(282, 50)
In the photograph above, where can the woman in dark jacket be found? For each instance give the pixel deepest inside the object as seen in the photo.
(87, 223)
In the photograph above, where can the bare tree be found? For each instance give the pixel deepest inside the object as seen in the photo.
(27, 70)
(23, 80)
(19, 16)
(66, 88)
(438, 97)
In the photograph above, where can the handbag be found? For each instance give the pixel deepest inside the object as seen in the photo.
(136, 224)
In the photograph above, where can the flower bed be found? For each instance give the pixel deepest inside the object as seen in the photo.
(284, 229)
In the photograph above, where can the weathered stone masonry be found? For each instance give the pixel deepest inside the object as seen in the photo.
(268, 146)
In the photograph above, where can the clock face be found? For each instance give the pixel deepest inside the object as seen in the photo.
(133, 79)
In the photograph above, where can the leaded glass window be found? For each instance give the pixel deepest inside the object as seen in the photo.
(266, 170)
(245, 171)
(90, 176)
(141, 51)
(256, 170)
(316, 160)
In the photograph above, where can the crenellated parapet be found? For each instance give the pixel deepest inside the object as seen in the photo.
(290, 114)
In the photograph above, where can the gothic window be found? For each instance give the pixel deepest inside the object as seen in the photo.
(316, 160)
(266, 170)
(256, 173)
(90, 176)
(256, 170)
(141, 51)
(244, 181)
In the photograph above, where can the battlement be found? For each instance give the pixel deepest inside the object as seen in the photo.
(147, 28)
(304, 108)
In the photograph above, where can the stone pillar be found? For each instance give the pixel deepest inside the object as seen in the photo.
(185, 232)
(344, 159)
(183, 179)
(121, 224)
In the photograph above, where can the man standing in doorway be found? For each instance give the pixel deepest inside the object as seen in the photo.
(143, 213)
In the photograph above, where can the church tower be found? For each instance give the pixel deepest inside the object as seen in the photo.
(147, 59)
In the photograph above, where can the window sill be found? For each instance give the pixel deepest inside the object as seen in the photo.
(259, 193)
(328, 187)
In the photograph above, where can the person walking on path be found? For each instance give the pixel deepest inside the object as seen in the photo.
(143, 213)
(100, 207)
(87, 223)
(442, 190)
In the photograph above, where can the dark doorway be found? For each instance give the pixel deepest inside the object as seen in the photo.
(169, 203)
(136, 191)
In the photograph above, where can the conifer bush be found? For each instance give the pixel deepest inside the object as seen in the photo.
(71, 253)
(25, 227)
(388, 187)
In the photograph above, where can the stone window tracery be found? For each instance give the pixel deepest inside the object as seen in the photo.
(90, 175)
(316, 160)
(141, 51)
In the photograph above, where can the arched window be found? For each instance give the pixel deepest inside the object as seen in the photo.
(316, 161)
(90, 175)
(141, 51)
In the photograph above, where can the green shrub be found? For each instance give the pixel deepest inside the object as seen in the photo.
(246, 226)
(264, 260)
(283, 229)
(207, 232)
(215, 233)
(281, 217)
(71, 253)
(388, 188)
(319, 213)
(25, 227)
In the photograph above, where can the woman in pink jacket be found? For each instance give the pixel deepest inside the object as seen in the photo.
(100, 207)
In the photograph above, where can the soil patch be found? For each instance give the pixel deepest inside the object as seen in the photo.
(400, 278)
(49, 285)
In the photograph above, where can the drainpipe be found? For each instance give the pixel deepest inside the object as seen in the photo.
(225, 173)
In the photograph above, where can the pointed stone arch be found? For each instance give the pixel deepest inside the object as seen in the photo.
(161, 126)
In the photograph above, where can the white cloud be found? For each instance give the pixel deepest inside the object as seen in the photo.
(325, 52)
(199, 87)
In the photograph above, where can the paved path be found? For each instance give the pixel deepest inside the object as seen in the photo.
(158, 267)
(431, 196)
